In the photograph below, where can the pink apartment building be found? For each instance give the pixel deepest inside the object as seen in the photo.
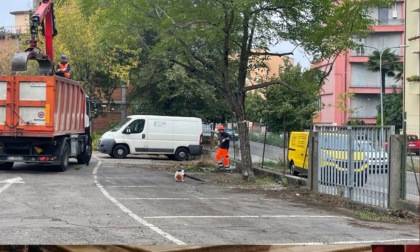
(350, 76)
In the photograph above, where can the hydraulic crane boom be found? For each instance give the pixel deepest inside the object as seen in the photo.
(44, 17)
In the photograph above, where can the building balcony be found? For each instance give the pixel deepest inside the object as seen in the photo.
(367, 51)
(389, 22)
(370, 87)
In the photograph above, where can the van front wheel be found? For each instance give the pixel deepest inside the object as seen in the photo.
(119, 151)
(181, 154)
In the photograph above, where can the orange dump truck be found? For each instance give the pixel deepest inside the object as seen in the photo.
(44, 120)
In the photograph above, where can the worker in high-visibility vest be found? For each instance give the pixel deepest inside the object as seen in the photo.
(222, 154)
(63, 68)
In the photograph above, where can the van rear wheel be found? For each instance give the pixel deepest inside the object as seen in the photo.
(120, 151)
(182, 154)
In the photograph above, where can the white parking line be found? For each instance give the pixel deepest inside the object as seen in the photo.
(9, 182)
(129, 212)
(4, 187)
(394, 241)
(249, 216)
(174, 198)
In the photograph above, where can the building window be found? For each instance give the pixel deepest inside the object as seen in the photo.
(383, 15)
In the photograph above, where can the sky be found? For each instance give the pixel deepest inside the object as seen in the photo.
(298, 53)
(7, 6)
(7, 20)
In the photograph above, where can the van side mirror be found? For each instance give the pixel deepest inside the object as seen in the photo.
(128, 131)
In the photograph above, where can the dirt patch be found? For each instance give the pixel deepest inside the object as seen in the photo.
(206, 170)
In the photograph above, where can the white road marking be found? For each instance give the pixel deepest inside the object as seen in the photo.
(138, 186)
(154, 198)
(129, 212)
(174, 198)
(248, 216)
(9, 182)
(394, 241)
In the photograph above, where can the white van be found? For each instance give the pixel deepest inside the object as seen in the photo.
(175, 137)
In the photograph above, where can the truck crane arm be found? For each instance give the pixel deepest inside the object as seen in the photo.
(44, 17)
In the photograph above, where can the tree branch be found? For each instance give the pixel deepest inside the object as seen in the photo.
(271, 54)
(195, 71)
(270, 83)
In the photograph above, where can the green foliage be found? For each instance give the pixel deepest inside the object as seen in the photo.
(355, 122)
(167, 89)
(254, 104)
(389, 63)
(102, 52)
(413, 78)
(270, 138)
(285, 109)
(393, 109)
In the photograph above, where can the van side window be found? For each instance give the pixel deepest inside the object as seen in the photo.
(137, 126)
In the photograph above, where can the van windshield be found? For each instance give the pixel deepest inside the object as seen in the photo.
(120, 124)
(365, 146)
(337, 142)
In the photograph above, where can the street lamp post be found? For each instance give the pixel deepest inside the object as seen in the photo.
(380, 79)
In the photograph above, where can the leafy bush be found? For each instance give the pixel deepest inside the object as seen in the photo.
(271, 139)
(413, 78)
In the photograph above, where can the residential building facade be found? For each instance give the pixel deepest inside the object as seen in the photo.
(412, 67)
(352, 92)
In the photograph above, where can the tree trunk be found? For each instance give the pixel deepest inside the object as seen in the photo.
(383, 82)
(246, 161)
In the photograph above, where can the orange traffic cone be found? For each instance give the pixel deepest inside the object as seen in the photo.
(179, 176)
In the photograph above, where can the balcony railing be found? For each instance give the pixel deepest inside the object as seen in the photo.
(391, 84)
(367, 51)
(392, 21)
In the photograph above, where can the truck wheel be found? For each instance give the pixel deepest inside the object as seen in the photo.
(120, 151)
(62, 167)
(181, 154)
(6, 166)
(85, 156)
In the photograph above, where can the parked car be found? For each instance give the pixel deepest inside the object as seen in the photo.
(413, 144)
(377, 158)
(234, 135)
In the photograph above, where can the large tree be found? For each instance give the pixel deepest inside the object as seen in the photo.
(216, 40)
(102, 54)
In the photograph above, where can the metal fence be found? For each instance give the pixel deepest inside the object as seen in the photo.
(353, 162)
(412, 166)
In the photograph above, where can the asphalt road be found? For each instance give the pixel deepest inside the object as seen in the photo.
(128, 202)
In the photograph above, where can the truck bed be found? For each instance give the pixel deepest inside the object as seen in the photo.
(41, 106)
